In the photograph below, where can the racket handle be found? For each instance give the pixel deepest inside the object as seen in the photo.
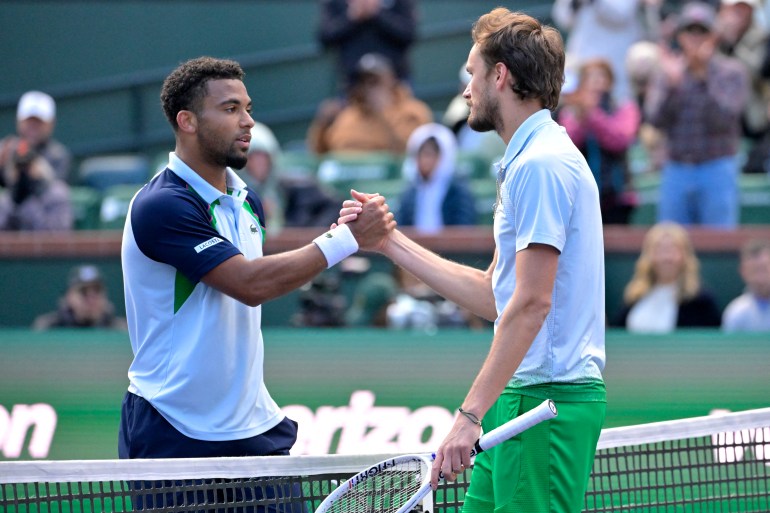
(546, 410)
(476, 449)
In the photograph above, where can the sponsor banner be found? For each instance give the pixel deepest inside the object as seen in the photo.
(360, 391)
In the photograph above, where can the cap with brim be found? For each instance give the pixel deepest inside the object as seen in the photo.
(36, 104)
(750, 3)
(85, 275)
(374, 64)
(697, 14)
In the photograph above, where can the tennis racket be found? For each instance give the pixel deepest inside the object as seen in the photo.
(396, 485)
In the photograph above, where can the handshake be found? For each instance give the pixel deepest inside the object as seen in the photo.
(365, 222)
(369, 218)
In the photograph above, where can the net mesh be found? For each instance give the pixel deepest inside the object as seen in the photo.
(722, 465)
(708, 464)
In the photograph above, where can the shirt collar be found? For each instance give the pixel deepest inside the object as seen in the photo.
(235, 185)
(523, 133)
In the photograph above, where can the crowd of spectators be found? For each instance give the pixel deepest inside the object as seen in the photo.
(685, 85)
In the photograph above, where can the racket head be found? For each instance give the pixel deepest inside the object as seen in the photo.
(385, 487)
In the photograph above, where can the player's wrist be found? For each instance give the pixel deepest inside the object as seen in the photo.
(337, 244)
(469, 415)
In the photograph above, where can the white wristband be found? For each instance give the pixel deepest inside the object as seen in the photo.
(337, 244)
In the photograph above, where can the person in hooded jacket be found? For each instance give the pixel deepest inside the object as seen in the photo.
(435, 196)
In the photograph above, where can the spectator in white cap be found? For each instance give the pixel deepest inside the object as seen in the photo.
(35, 122)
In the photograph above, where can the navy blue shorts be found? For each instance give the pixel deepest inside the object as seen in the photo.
(145, 433)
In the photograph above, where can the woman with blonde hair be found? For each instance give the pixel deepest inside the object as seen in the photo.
(665, 291)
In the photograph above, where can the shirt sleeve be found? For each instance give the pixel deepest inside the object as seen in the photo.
(542, 197)
(174, 227)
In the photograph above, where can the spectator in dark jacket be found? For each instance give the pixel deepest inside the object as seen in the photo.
(354, 28)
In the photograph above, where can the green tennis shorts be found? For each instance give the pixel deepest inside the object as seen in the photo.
(545, 468)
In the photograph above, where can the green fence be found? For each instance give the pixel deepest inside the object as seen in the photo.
(60, 392)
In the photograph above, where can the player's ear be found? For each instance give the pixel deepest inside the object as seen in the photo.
(187, 121)
(502, 76)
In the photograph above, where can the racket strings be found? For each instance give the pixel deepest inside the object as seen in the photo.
(384, 492)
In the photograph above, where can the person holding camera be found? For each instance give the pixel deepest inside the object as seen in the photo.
(603, 129)
(35, 123)
(33, 198)
(84, 304)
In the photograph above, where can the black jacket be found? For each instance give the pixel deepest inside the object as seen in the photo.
(698, 312)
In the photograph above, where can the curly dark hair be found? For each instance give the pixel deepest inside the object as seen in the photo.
(185, 87)
(534, 53)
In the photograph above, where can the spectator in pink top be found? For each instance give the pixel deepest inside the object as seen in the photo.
(603, 129)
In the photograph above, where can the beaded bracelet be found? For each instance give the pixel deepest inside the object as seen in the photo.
(470, 416)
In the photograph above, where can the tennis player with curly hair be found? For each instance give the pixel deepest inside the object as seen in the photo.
(195, 278)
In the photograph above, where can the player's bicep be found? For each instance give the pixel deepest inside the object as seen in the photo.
(491, 269)
(536, 267)
(532, 298)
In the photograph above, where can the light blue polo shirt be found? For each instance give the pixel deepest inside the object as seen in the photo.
(549, 196)
(198, 353)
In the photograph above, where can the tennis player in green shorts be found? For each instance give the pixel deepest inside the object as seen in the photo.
(544, 288)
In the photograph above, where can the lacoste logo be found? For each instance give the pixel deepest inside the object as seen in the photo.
(211, 242)
(329, 235)
(253, 228)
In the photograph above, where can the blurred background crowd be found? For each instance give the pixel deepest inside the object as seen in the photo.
(668, 100)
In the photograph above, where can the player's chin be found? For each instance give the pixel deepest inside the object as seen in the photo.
(237, 160)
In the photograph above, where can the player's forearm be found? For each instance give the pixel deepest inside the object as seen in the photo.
(254, 282)
(508, 349)
(463, 285)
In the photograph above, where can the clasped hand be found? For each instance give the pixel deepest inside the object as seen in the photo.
(369, 218)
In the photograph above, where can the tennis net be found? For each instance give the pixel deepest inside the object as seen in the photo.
(706, 464)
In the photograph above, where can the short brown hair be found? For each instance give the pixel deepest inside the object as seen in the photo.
(598, 63)
(532, 52)
(185, 87)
